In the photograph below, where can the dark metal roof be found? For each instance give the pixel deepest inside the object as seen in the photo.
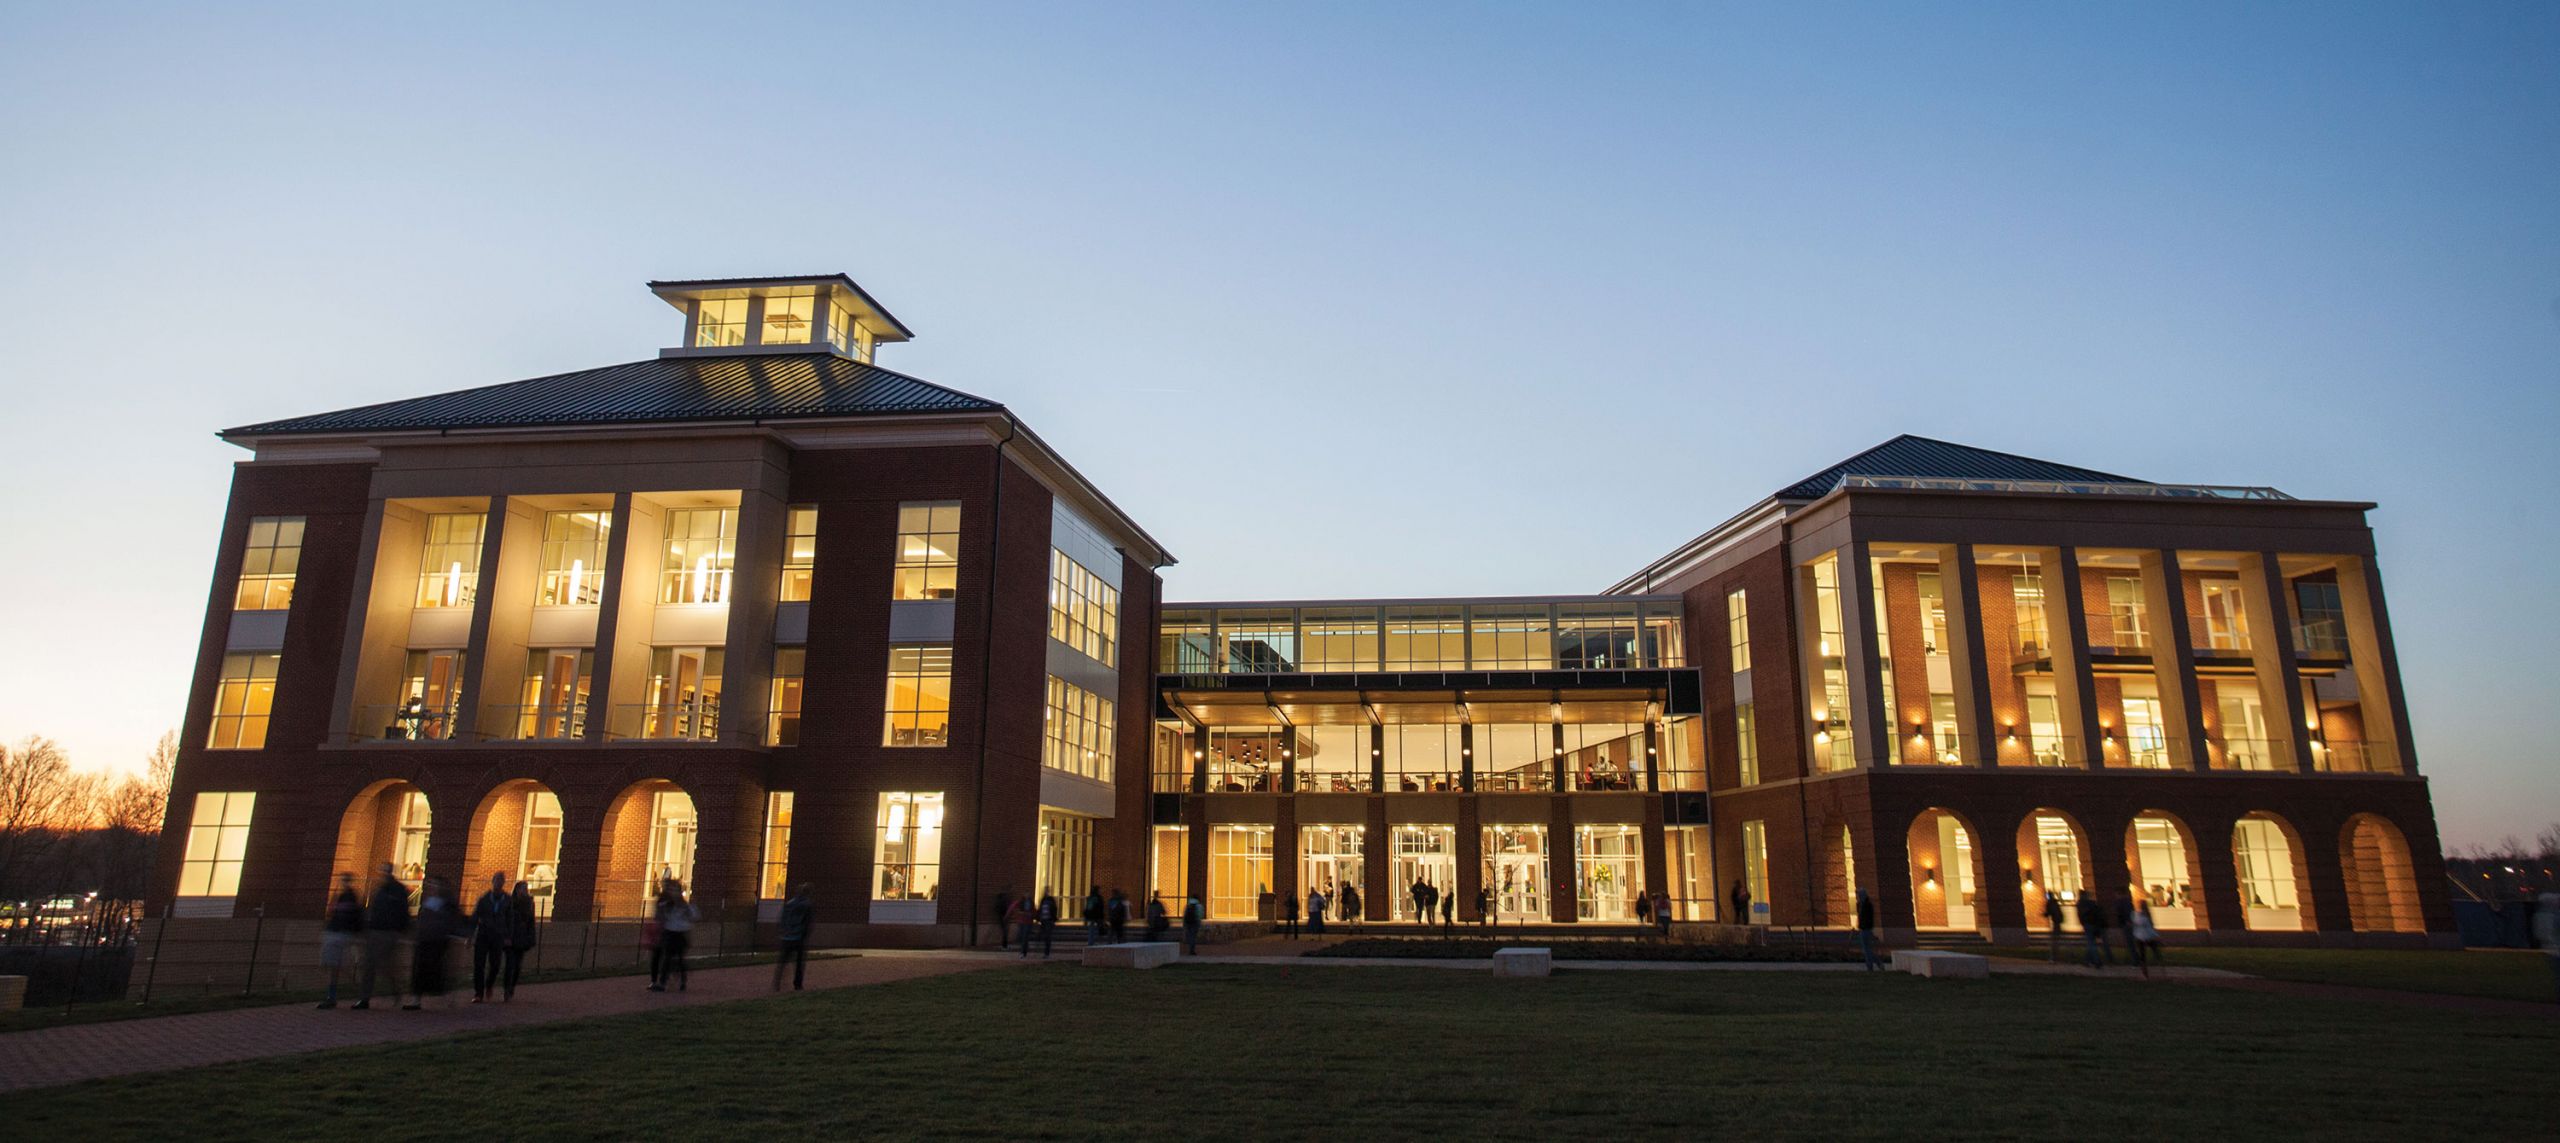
(740, 388)
(1907, 455)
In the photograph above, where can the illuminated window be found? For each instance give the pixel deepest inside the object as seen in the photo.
(2125, 613)
(1338, 638)
(1239, 870)
(2268, 890)
(573, 553)
(1084, 611)
(683, 699)
(449, 568)
(241, 700)
(1746, 743)
(702, 549)
(538, 850)
(1426, 639)
(1079, 729)
(782, 722)
(2226, 623)
(777, 846)
(799, 552)
(268, 564)
(217, 842)
(919, 708)
(1755, 872)
(1510, 637)
(906, 863)
(789, 318)
(1737, 612)
(1065, 860)
(556, 683)
(430, 697)
(415, 824)
(928, 551)
(840, 327)
(1609, 871)
(720, 321)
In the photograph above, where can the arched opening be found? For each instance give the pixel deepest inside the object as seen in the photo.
(648, 837)
(516, 833)
(1946, 873)
(389, 822)
(2269, 858)
(2053, 864)
(2162, 855)
(2382, 888)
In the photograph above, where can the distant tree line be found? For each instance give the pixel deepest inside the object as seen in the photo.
(69, 834)
(2511, 870)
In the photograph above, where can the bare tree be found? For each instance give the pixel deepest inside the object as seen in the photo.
(2549, 841)
(127, 834)
(41, 804)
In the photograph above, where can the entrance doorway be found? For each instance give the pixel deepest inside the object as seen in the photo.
(1428, 854)
(1515, 870)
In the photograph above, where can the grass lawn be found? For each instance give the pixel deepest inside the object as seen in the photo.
(1377, 1053)
(2503, 974)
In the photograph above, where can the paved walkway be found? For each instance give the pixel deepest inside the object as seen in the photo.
(50, 1056)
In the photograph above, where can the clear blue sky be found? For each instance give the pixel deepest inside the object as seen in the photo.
(1370, 299)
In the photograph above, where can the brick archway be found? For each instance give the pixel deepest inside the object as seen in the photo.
(2382, 888)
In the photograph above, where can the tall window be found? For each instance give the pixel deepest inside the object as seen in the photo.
(1426, 639)
(573, 551)
(720, 321)
(702, 549)
(799, 552)
(2125, 612)
(1239, 870)
(1933, 612)
(919, 707)
(1746, 743)
(1084, 611)
(2266, 872)
(538, 850)
(1421, 756)
(556, 684)
(430, 696)
(1338, 638)
(928, 550)
(2146, 731)
(1755, 871)
(683, 698)
(2026, 593)
(2226, 623)
(782, 714)
(1834, 746)
(409, 843)
(1609, 871)
(789, 319)
(1510, 637)
(840, 327)
(217, 842)
(1079, 729)
(2324, 617)
(1064, 860)
(241, 700)
(1737, 618)
(906, 862)
(774, 884)
(449, 567)
(268, 564)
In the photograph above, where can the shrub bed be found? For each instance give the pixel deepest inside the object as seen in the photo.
(1437, 948)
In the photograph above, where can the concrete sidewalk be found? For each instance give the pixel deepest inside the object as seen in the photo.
(51, 1056)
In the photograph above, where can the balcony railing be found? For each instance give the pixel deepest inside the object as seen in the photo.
(534, 723)
(411, 721)
(2323, 637)
(2025, 748)
(2270, 754)
(695, 721)
(2355, 758)
(2071, 487)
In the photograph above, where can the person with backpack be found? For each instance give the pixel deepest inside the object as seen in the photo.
(523, 928)
(341, 931)
(1047, 919)
(1867, 930)
(675, 932)
(438, 921)
(1191, 914)
(489, 938)
(793, 933)
(2053, 925)
(1093, 907)
(1156, 921)
(1350, 909)
(1117, 914)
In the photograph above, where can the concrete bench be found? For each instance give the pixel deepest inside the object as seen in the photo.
(1931, 962)
(1151, 954)
(1523, 962)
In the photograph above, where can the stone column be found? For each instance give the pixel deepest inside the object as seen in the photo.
(2173, 659)
(1961, 583)
(2273, 659)
(2075, 689)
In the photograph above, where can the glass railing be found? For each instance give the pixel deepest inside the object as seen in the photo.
(534, 723)
(2355, 758)
(2322, 637)
(2048, 750)
(2269, 754)
(407, 722)
(695, 721)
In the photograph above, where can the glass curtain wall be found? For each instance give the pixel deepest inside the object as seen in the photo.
(1609, 872)
(1424, 855)
(1329, 858)
(1333, 759)
(1688, 864)
(1239, 871)
(1515, 871)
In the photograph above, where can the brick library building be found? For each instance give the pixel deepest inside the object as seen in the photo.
(756, 613)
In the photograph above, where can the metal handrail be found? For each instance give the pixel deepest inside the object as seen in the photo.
(2070, 487)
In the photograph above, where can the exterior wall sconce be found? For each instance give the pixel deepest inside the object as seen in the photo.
(1928, 876)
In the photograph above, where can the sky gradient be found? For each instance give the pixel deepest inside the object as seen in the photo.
(1368, 300)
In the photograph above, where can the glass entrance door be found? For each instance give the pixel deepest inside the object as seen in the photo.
(1427, 854)
(1515, 869)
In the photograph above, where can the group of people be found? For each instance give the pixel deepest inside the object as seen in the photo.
(2124, 915)
(369, 926)
(1025, 919)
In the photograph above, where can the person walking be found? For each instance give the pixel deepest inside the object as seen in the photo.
(1156, 922)
(2052, 925)
(1117, 913)
(1289, 915)
(1047, 919)
(675, 933)
(1017, 919)
(1741, 898)
(489, 938)
(2143, 936)
(1315, 912)
(341, 932)
(792, 932)
(2120, 918)
(1662, 913)
(1644, 909)
(1350, 908)
(438, 922)
(2093, 933)
(2546, 931)
(1484, 907)
(1448, 912)
(386, 917)
(1421, 894)
(523, 929)
(1093, 906)
(1191, 913)
(1867, 931)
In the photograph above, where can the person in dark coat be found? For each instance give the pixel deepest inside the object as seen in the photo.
(1867, 930)
(1157, 922)
(1047, 918)
(341, 932)
(438, 923)
(1448, 911)
(1017, 922)
(1421, 894)
(386, 917)
(1289, 915)
(1741, 898)
(1117, 914)
(2093, 929)
(523, 929)
(793, 931)
(1350, 911)
(489, 938)
(2120, 917)
(2053, 925)
(1093, 907)
(1191, 917)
